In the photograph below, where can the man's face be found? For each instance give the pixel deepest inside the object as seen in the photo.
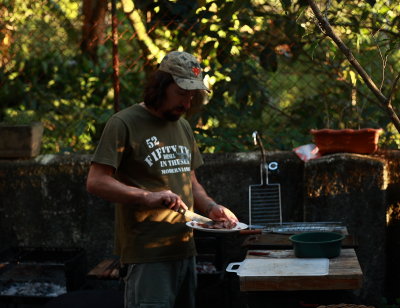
(176, 102)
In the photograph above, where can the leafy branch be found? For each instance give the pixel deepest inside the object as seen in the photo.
(384, 101)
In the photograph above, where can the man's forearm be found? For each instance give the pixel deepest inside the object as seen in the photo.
(101, 182)
(202, 201)
(114, 191)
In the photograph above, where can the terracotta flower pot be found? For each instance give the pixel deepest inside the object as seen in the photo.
(362, 141)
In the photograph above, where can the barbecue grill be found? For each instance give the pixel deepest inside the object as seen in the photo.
(33, 275)
(265, 209)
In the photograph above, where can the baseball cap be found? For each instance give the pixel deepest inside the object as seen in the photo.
(185, 70)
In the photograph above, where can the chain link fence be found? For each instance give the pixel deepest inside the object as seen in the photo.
(298, 78)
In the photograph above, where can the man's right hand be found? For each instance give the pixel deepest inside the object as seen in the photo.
(165, 198)
(101, 182)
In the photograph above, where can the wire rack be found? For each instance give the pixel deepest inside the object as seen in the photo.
(299, 227)
(265, 204)
(345, 306)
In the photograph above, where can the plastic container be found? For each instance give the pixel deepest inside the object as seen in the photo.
(317, 244)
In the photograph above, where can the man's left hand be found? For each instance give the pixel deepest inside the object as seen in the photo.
(219, 212)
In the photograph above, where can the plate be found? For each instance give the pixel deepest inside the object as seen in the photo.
(195, 225)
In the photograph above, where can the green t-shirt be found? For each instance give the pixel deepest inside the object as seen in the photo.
(153, 154)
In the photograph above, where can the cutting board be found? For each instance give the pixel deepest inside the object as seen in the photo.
(280, 267)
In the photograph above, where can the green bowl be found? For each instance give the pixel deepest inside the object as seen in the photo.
(317, 244)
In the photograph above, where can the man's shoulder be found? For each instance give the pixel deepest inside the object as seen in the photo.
(185, 126)
(183, 121)
(128, 113)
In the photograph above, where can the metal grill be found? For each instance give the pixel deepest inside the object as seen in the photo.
(39, 273)
(299, 227)
(265, 204)
(264, 198)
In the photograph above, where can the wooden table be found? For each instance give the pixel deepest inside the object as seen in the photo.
(344, 274)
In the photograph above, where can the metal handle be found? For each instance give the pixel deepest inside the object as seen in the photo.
(230, 266)
(181, 211)
(263, 167)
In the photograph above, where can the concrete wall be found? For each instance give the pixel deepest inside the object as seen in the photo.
(44, 202)
(352, 189)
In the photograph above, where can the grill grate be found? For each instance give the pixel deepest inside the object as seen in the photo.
(299, 227)
(265, 204)
(40, 272)
(264, 198)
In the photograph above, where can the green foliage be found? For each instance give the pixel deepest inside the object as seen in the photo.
(13, 116)
(270, 67)
(282, 77)
(67, 95)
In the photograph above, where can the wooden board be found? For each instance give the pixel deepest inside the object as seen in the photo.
(344, 274)
(106, 269)
(280, 267)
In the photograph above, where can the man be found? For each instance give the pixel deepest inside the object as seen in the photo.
(145, 163)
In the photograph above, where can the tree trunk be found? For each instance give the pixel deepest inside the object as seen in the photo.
(6, 38)
(94, 12)
(150, 51)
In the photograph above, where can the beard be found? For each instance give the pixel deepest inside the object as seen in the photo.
(173, 115)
